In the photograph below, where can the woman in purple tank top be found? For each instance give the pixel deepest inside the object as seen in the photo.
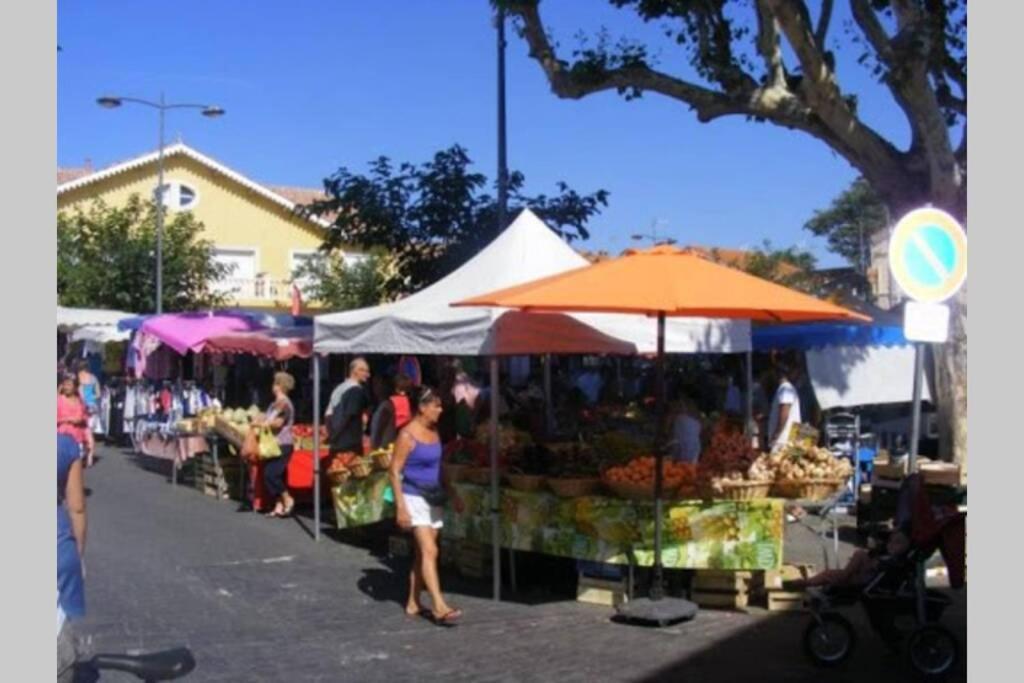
(415, 475)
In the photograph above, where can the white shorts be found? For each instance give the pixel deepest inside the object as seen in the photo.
(422, 513)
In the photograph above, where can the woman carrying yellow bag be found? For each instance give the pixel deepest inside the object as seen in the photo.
(276, 431)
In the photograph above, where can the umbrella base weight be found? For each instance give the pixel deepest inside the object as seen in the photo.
(661, 612)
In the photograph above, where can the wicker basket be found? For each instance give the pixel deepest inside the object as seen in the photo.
(381, 459)
(338, 477)
(477, 475)
(687, 492)
(744, 490)
(574, 488)
(634, 491)
(525, 482)
(361, 468)
(806, 489)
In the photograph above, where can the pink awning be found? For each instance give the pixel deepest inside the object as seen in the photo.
(186, 332)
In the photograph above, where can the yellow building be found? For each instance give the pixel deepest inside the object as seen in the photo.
(252, 226)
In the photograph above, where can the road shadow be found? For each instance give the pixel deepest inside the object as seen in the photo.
(781, 634)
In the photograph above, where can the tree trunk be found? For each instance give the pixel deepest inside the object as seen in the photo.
(951, 385)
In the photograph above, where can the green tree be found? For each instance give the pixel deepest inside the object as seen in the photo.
(791, 266)
(771, 61)
(850, 221)
(432, 217)
(106, 259)
(331, 281)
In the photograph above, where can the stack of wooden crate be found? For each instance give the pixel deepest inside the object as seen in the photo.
(474, 560)
(722, 588)
(770, 590)
(221, 480)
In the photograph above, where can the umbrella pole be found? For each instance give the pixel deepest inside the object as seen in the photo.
(658, 585)
(549, 408)
(316, 447)
(495, 530)
(749, 417)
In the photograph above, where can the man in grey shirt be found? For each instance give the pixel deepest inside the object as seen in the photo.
(350, 402)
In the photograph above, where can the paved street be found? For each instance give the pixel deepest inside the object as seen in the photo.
(256, 600)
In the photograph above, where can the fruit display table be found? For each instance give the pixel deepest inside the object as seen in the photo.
(719, 534)
(359, 502)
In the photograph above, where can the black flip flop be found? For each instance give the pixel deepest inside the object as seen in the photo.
(449, 618)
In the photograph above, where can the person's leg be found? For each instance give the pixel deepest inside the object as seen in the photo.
(426, 539)
(413, 606)
(273, 474)
(286, 497)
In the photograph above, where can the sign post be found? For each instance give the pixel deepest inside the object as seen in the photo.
(928, 260)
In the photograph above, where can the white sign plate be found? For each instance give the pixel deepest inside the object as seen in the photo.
(926, 322)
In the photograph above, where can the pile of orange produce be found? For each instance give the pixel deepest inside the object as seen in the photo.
(640, 470)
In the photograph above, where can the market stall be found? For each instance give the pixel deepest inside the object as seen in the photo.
(663, 282)
(426, 323)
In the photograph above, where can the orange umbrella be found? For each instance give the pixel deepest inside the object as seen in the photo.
(668, 280)
(664, 281)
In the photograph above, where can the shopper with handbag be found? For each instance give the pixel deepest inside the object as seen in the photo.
(420, 497)
(275, 429)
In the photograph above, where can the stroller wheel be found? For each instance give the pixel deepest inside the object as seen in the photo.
(933, 651)
(829, 642)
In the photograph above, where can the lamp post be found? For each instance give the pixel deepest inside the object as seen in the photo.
(209, 111)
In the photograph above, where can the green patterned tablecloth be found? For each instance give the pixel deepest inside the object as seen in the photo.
(717, 534)
(359, 502)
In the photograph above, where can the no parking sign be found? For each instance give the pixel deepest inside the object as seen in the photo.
(928, 255)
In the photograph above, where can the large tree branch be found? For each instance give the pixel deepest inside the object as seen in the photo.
(769, 47)
(823, 22)
(822, 94)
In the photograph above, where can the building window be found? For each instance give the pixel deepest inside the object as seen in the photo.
(178, 196)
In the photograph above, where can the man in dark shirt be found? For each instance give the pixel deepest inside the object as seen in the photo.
(346, 410)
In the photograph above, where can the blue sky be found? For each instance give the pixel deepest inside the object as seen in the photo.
(312, 85)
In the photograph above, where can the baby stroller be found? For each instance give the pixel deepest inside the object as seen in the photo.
(897, 592)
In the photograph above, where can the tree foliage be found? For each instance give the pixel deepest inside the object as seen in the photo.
(791, 266)
(850, 221)
(341, 285)
(432, 217)
(773, 61)
(106, 259)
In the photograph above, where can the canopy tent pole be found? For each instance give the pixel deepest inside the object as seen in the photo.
(749, 412)
(316, 447)
(658, 585)
(549, 408)
(495, 508)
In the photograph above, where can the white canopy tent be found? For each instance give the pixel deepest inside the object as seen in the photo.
(425, 322)
(851, 376)
(73, 318)
(100, 334)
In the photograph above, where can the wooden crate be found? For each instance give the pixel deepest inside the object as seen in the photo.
(785, 601)
(400, 545)
(595, 591)
(717, 580)
(738, 600)
(220, 481)
(474, 560)
(940, 473)
(771, 580)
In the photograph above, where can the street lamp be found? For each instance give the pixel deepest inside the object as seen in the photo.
(209, 111)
